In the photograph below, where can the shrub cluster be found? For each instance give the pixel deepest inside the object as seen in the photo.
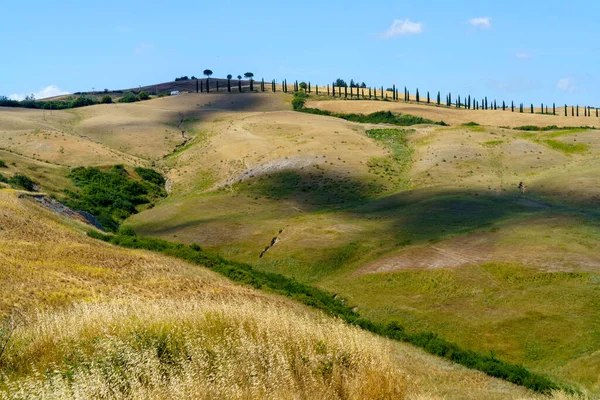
(379, 117)
(23, 182)
(80, 101)
(111, 196)
(319, 299)
(549, 128)
(3, 164)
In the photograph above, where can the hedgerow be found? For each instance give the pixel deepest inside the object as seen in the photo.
(319, 299)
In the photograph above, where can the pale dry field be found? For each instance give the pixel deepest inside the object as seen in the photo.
(455, 116)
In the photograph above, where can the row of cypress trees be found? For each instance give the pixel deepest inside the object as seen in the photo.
(372, 93)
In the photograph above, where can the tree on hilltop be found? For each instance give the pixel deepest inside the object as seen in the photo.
(229, 76)
(339, 82)
(207, 73)
(249, 75)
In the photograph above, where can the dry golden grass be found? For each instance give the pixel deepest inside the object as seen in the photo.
(154, 327)
(455, 116)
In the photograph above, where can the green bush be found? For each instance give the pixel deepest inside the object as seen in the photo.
(128, 97)
(3, 164)
(150, 175)
(471, 124)
(22, 181)
(83, 101)
(379, 117)
(143, 96)
(3, 179)
(106, 99)
(299, 100)
(335, 306)
(111, 196)
(126, 230)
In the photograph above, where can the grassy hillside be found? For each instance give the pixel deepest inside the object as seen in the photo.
(423, 225)
(93, 320)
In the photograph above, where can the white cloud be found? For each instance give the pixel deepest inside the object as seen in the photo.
(49, 91)
(566, 85)
(143, 48)
(481, 22)
(523, 56)
(402, 27)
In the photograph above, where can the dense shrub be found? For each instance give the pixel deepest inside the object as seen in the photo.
(3, 179)
(126, 230)
(299, 100)
(106, 99)
(549, 128)
(150, 175)
(22, 181)
(143, 96)
(379, 117)
(319, 299)
(111, 196)
(3, 164)
(129, 97)
(83, 101)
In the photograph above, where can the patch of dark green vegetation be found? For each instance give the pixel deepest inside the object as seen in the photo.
(471, 124)
(112, 195)
(321, 300)
(3, 164)
(70, 102)
(23, 182)
(151, 176)
(379, 117)
(534, 128)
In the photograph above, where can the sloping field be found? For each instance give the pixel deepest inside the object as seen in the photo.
(149, 326)
(428, 229)
(455, 116)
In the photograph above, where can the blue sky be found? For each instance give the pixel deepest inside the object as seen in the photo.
(511, 50)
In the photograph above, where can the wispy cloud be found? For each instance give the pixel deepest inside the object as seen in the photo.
(143, 48)
(523, 56)
(402, 27)
(566, 85)
(481, 22)
(49, 91)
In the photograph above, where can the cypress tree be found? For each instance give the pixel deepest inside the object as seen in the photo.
(382, 93)
(375, 93)
(394, 89)
(228, 85)
(458, 102)
(542, 108)
(240, 85)
(596, 113)
(439, 99)
(345, 92)
(565, 110)
(449, 99)
(469, 103)
(572, 111)
(217, 83)
(532, 108)
(428, 99)
(251, 84)
(503, 105)
(578, 110)
(327, 89)
(317, 90)
(553, 108)
(333, 89)
(351, 94)
(196, 85)
(370, 96)
(418, 99)
(201, 86)
(512, 106)
(308, 86)
(486, 103)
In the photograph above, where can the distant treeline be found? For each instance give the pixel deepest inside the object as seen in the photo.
(71, 102)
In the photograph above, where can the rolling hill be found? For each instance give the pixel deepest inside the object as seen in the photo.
(424, 225)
